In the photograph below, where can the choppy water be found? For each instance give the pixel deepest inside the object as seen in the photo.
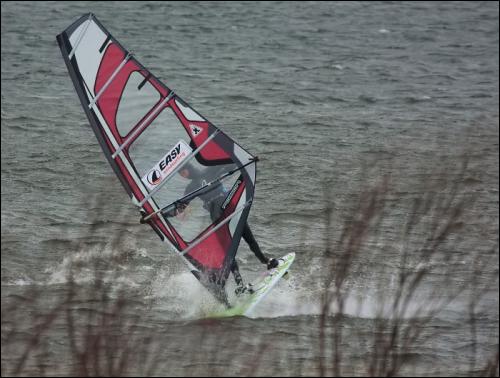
(331, 97)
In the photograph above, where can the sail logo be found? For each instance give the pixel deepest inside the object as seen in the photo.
(231, 194)
(195, 130)
(167, 164)
(154, 177)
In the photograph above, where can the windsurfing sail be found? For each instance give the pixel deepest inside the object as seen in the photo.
(192, 183)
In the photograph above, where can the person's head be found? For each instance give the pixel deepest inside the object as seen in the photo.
(187, 171)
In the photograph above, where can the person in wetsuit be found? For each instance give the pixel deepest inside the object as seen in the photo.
(213, 197)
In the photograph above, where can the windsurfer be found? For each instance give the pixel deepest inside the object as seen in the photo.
(213, 198)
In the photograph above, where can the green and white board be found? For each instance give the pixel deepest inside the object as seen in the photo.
(247, 302)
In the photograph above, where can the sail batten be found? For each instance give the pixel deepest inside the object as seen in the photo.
(171, 174)
(80, 37)
(110, 79)
(141, 126)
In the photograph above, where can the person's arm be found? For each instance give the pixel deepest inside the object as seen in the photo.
(177, 210)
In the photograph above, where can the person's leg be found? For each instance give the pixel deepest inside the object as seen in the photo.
(217, 288)
(252, 243)
(236, 273)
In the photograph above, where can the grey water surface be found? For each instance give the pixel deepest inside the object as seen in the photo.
(332, 96)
